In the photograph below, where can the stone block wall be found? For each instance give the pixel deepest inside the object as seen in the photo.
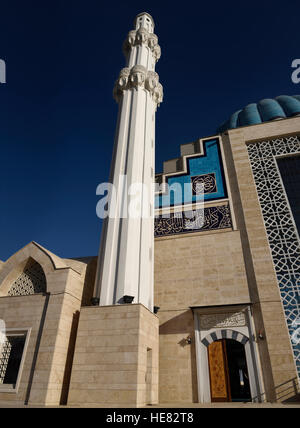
(205, 269)
(116, 357)
(22, 312)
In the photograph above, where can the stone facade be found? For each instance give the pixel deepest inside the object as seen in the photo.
(278, 366)
(50, 318)
(19, 312)
(200, 270)
(222, 268)
(116, 357)
(210, 284)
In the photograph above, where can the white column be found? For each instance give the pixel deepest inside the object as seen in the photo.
(125, 266)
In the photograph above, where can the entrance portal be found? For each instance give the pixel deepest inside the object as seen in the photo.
(229, 379)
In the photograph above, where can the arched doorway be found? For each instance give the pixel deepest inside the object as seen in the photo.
(228, 371)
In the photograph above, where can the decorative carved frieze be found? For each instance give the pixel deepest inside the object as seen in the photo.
(123, 78)
(157, 52)
(138, 77)
(152, 41)
(142, 37)
(152, 81)
(158, 94)
(131, 38)
(211, 218)
(210, 321)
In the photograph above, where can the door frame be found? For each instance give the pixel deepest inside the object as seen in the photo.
(243, 334)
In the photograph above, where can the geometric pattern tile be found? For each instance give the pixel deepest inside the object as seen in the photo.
(280, 227)
(211, 218)
(4, 358)
(11, 353)
(31, 281)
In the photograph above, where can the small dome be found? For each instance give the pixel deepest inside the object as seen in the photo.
(265, 110)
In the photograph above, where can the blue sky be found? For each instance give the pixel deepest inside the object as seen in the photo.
(58, 117)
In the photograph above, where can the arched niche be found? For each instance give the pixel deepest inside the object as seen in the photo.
(31, 281)
(31, 267)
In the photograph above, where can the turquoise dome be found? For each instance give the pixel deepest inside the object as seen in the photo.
(265, 110)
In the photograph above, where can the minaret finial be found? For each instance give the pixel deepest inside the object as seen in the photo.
(144, 20)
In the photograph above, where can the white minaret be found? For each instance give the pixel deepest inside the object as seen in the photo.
(125, 265)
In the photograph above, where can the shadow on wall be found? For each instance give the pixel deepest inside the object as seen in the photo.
(70, 357)
(89, 282)
(286, 389)
(290, 389)
(183, 325)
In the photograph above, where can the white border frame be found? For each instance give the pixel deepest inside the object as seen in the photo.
(204, 393)
(5, 388)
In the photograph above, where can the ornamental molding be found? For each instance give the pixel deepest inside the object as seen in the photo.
(138, 77)
(142, 37)
(211, 218)
(208, 322)
(279, 223)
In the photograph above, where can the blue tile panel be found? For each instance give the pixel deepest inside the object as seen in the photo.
(208, 164)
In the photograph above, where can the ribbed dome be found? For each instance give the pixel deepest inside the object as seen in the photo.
(265, 110)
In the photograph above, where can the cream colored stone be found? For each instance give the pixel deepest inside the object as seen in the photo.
(106, 362)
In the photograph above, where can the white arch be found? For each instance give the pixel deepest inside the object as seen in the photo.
(225, 334)
(203, 365)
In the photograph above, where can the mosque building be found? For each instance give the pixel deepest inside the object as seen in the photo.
(196, 303)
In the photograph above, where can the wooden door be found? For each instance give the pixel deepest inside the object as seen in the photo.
(218, 371)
